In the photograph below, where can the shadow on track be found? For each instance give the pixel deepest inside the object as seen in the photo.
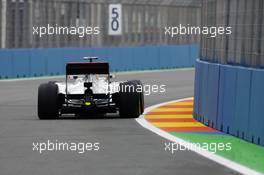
(90, 117)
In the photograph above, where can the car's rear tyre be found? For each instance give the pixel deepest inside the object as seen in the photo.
(130, 101)
(142, 104)
(48, 101)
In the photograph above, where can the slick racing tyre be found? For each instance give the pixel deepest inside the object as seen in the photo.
(48, 101)
(142, 102)
(130, 101)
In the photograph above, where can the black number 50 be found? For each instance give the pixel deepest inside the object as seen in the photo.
(115, 22)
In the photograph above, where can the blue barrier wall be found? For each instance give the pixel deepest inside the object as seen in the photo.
(40, 62)
(230, 99)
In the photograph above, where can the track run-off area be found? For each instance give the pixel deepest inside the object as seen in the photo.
(174, 121)
(125, 146)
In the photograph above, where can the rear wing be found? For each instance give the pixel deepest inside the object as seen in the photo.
(83, 68)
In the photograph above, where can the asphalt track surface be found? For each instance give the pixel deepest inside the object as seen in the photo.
(125, 146)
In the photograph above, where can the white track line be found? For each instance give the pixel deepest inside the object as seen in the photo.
(221, 160)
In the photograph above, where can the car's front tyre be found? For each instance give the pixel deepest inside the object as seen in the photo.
(48, 101)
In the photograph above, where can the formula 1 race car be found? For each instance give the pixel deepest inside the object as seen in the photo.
(88, 91)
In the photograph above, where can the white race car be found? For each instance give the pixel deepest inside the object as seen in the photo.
(89, 91)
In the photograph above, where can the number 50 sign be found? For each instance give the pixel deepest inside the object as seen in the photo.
(115, 19)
